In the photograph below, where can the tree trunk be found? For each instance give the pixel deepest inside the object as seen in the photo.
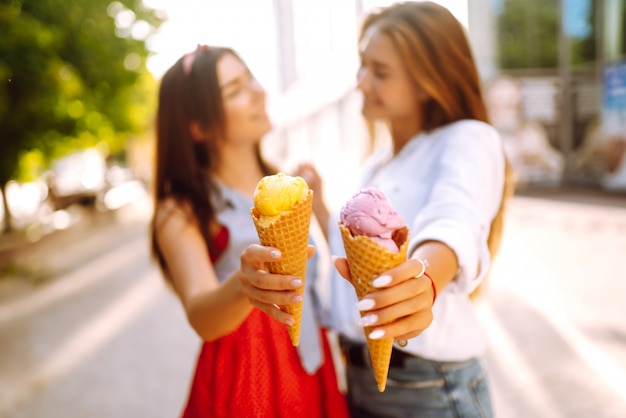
(8, 219)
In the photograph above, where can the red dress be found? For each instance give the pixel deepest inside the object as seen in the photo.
(255, 372)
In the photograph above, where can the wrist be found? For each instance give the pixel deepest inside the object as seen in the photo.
(432, 284)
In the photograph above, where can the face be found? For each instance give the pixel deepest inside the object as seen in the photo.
(244, 101)
(388, 91)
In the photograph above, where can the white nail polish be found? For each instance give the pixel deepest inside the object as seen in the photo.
(365, 304)
(382, 281)
(374, 335)
(368, 320)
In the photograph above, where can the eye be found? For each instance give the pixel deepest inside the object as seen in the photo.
(233, 91)
(380, 75)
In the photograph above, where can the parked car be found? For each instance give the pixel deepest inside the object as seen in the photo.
(79, 178)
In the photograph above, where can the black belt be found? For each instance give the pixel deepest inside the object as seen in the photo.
(357, 355)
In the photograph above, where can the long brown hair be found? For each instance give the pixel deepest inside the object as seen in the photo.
(190, 93)
(434, 48)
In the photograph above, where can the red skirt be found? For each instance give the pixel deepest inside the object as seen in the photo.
(255, 372)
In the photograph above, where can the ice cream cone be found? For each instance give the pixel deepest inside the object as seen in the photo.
(367, 260)
(290, 234)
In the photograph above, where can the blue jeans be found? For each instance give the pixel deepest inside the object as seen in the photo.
(421, 388)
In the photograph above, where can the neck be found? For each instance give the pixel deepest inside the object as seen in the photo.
(239, 168)
(403, 130)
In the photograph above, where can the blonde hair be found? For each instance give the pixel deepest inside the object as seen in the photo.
(497, 224)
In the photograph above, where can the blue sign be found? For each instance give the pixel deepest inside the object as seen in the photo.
(614, 86)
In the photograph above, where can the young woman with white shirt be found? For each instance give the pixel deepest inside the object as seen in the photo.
(446, 173)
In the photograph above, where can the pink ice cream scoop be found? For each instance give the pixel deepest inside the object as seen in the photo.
(370, 213)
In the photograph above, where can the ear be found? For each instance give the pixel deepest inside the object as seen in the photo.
(196, 131)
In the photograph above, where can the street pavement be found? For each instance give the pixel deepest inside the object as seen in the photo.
(104, 337)
(554, 310)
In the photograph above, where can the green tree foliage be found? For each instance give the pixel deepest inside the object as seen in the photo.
(72, 75)
(528, 34)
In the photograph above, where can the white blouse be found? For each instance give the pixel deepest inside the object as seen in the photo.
(448, 186)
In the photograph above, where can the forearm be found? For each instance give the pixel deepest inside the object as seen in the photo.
(322, 214)
(217, 312)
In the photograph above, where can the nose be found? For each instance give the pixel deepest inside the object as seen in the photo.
(256, 88)
(363, 79)
(255, 85)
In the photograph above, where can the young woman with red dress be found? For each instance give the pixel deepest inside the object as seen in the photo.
(211, 118)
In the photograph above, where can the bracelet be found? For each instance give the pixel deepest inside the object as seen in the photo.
(432, 283)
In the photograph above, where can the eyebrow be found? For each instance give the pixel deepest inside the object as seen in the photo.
(375, 63)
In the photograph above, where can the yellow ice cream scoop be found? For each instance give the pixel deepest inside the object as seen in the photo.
(282, 217)
(277, 193)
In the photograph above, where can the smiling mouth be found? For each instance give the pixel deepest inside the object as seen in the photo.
(370, 100)
(370, 103)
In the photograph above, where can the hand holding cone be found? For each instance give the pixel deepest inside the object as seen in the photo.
(376, 239)
(287, 229)
(367, 260)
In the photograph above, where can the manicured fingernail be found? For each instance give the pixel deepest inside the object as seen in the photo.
(365, 304)
(374, 335)
(368, 320)
(296, 283)
(290, 322)
(262, 271)
(381, 281)
(296, 298)
(275, 254)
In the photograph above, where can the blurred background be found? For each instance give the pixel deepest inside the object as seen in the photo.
(87, 327)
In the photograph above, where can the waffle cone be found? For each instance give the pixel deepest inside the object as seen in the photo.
(290, 234)
(367, 260)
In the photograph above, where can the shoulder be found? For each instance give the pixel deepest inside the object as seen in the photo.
(469, 131)
(172, 215)
(468, 137)
(470, 144)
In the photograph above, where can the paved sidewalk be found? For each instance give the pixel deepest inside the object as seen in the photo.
(25, 265)
(554, 309)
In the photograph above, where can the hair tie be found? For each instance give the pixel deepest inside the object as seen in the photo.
(189, 58)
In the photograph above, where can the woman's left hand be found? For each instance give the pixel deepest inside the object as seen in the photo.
(401, 308)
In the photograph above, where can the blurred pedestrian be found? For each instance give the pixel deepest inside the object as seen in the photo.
(446, 173)
(211, 118)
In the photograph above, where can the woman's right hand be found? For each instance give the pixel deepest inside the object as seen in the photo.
(268, 291)
(308, 172)
(401, 307)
